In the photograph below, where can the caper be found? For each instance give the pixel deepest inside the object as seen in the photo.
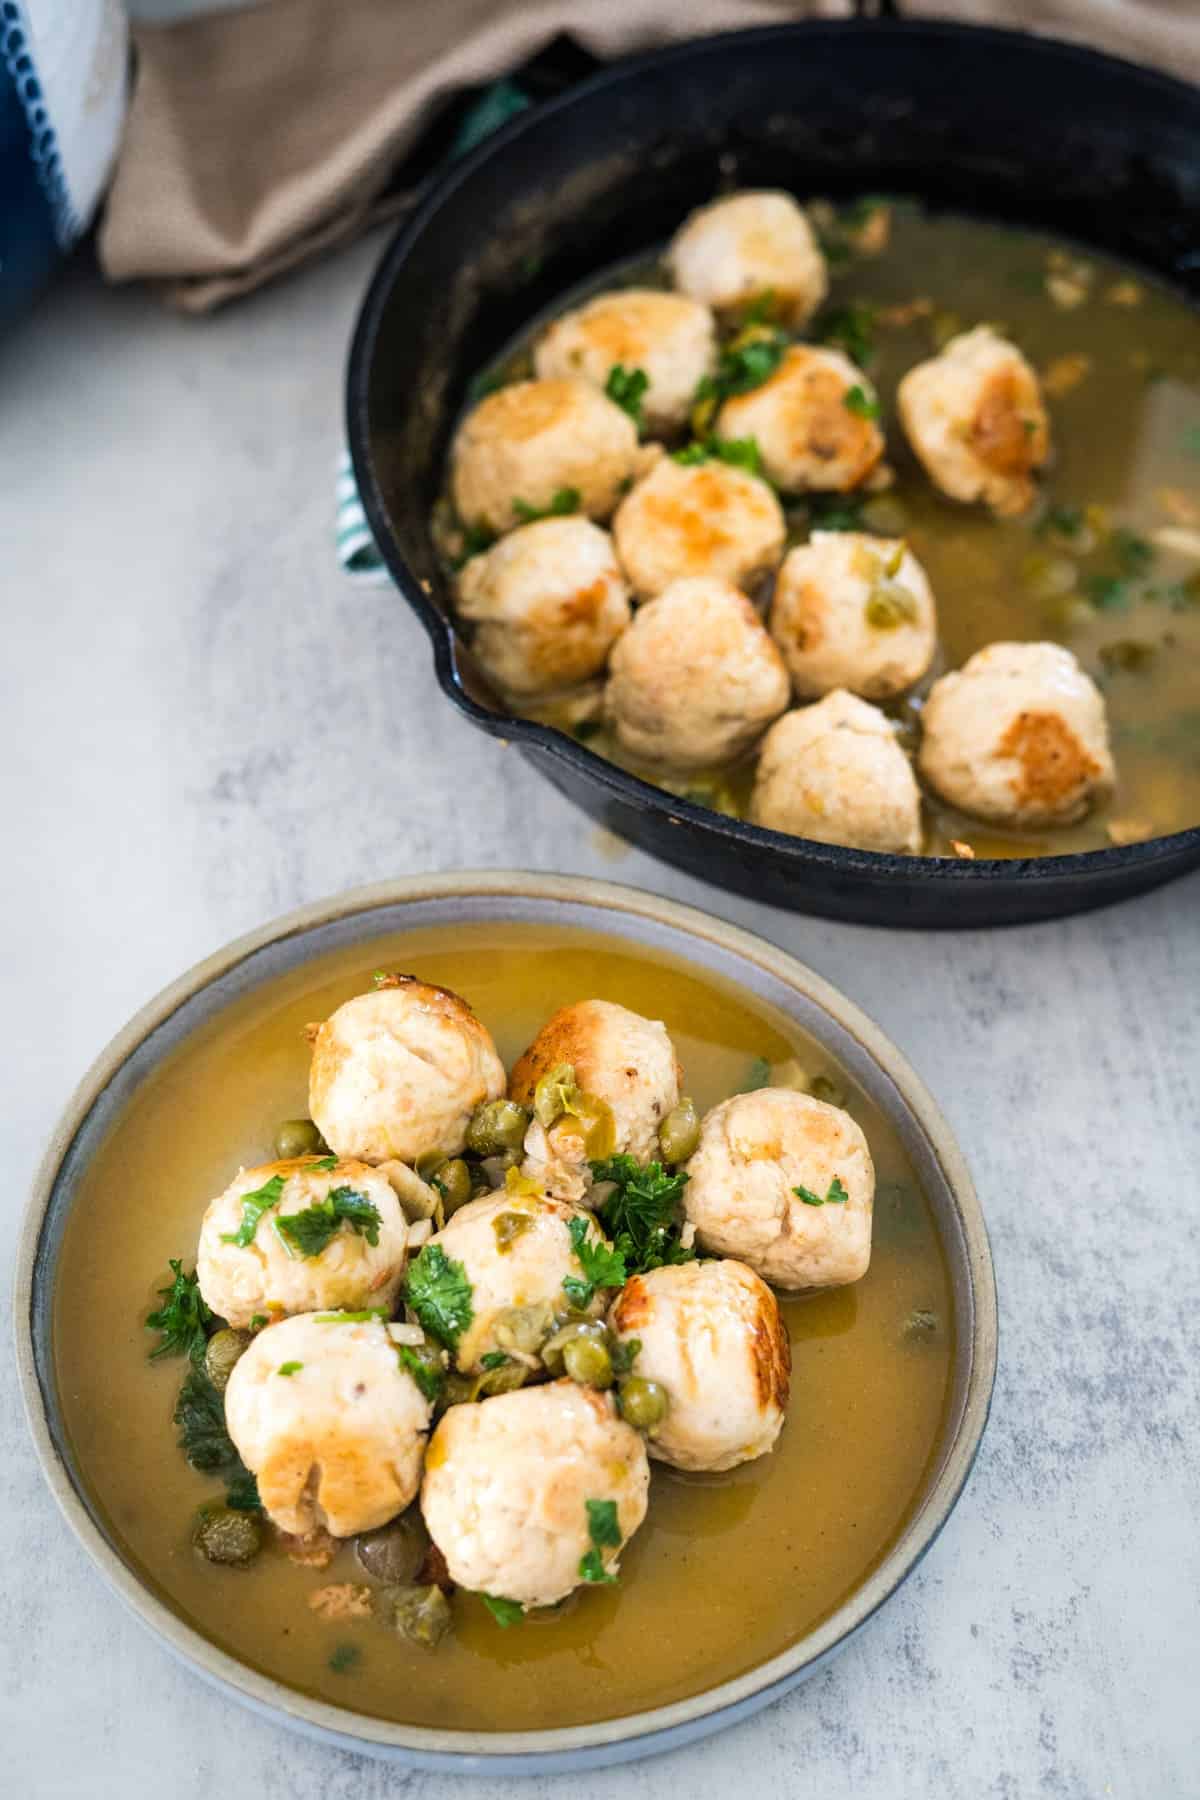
(524, 1327)
(679, 1132)
(456, 1391)
(643, 1403)
(507, 1227)
(505, 1378)
(220, 1354)
(420, 1614)
(453, 1183)
(553, 1348)
(548, 1096)
(587, 1361)
(822, 1087)
(227, 1536)
(496, 1126)
(395, 1552)
(890, 605)
(299, 1137)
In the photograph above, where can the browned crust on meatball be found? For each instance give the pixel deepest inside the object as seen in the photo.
(525, 409)
(820, 424)
(1054, 766)
(633, 1306)
(562, 1039)
(805, 613)
(772, 1353)
(698, 520)
(1007, 433)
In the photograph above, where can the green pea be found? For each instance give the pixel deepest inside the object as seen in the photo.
(496, 1126)
(453, 1183)
(224, 1535)
(679, 1132)
(643, 1403)
(548, 1102)
(299, 1137)
(554, 1347)
(395, 1552)
(221, 1352)
(419, 1614)
(587, 1361)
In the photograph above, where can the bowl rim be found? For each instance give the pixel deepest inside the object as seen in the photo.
(622, 784)
(655, 1728)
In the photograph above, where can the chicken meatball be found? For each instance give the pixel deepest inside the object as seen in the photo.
(853, 611)
(548, 603)
(671, 339)
(699, 519)
(711, 1335)
(813, 421)
(331, 1424)
(786, 1184)
(526, 445)
(696, 679)
(399, 1071)
(254, 1258)
(507, 1486)
(620, 1059)
(751, 247)
(1017, 736)
(516, 1251)
(834, 773)
(974, 416)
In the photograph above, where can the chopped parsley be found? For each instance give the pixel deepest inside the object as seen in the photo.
(258, 1321)
(565, 500)
(289, 1368)
(199, 1418)
(836, 1195)
(642, 1213)
(1064, 521)
(858, 401)
(604, 1529)
(493, 1359)
(254, 1204)
(505, 1612)
(428, 1373)
(182, 1319)
(627, 387)
(739, 453)
(750, 360)
(475, 540)
(1108, 593)
(437, 1289)
(602, 1267)
(851, 329)
(309, 1232)
(326, 1164)
(344, 1657)
(624, 1353)
(1134, 553)
(352, 1318)
(838, 514)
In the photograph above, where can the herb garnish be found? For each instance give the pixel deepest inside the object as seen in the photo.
(199, 1418)
(309, 1232)
(505, 1612)
(757, 1076)
(564, 500)
(289, 1368)
(604, 1529)
(628, 388)
(426, 1373)
(851, 329)
(254, 1204)
(437, 1289)
(624, 1353)
(475, 540)
(325, 1164)
(493, 1359)
(602, 1267)
(182, 1319)
(352, 1318)
(642, 1213)
(836, 1196)
(258, 1321)
(344, 1658)
(857, 400)
(739, 453)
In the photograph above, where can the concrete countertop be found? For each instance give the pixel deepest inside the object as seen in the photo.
(204, 725)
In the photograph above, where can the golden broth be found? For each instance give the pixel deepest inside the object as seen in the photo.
(1121, 367)
(726, 1571)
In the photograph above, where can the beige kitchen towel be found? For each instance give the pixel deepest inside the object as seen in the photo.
(259, 137)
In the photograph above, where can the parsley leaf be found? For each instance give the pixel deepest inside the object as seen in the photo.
(628, 388)
(852, 330)
(641, 1215)
(182, 1319)
(289, 1368)
(750, 359)
(437, 1289)
(254, 1204)
(344, 1657)
(1134, 554)
(505, 1612)
(326, 1164)
(836, 1196)
(565, 500)
(739, 453)
(604, 1528)
(591, 1567)
(199, 1418)
(602, 1267)
(428, 1374)
(310, 1231)
(1109, 593)
(494, 1359)
(475, 540)
(624, 1354)
(757, 1076)
(858, 401)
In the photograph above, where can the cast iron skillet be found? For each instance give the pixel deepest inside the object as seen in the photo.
(991, 122)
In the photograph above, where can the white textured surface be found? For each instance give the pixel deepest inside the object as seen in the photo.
(204, 724)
